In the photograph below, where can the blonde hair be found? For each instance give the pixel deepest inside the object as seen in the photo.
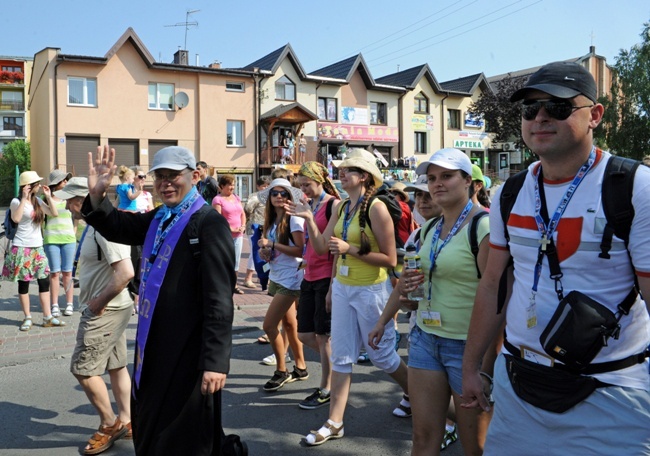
(123, 172)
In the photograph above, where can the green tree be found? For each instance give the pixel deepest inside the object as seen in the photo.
(502, 117)
(15, 153)
(626, 122)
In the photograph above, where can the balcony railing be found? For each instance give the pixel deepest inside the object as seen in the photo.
(13, 132)
(12, 105)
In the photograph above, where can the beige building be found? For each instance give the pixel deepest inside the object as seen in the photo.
(15, 74)
(131, 102)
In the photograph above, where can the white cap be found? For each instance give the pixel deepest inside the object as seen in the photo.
(449, 158)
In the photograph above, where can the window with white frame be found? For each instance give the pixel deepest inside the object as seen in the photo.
(420, 146)
(234, 86)
(285, 89)
(243, 183)
(161, 96)
(235, 133)
(378, 113)
(421, 104)
(82, 91)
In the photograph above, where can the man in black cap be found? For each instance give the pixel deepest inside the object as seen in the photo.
(185, 317)
(544, 404)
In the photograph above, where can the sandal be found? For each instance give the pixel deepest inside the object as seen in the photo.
(263, 340)
(318, 439)
(129, 433)
(69, 310)
(56, 312)
(26, 325)
(239, 290)
(105, 437)
(403, 411)
(52, 321)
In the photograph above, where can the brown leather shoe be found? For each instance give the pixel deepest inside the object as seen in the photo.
(105, 437)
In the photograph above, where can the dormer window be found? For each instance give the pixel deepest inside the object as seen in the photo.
(285, 89)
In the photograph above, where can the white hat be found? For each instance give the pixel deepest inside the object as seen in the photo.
(173, 157)
(420, 185)
(362, 159)
(76, 186)
(296, 195)
(448, 158)
(29, 177)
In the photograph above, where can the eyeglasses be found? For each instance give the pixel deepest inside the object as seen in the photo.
(282, 193)
(170, 177)
(557, 109)
(141, 176)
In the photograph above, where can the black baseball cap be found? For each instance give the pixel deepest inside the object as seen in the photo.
(561, 80)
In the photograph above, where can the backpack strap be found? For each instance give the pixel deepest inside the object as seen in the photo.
(472, 231)
(328, 208)
(422, 234)
(618, 185)
(194, 230)
(509, 192)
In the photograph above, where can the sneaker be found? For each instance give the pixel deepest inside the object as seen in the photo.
(271, 361)
(299, 374)
(449, 438)
(278, 381)
(363, 357)
(315, 400)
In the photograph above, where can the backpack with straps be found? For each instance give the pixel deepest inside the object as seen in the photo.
(616, 195)
(472, 232)
(9, 226)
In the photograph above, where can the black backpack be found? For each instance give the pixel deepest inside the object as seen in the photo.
(618, 183)
(9, 226)
(394, 209)
(472, 231)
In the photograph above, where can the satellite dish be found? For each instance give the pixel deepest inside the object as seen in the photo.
(181, 99)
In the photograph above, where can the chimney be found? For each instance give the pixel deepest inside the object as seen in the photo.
(180, 57)
(592, 49)
(216, 64)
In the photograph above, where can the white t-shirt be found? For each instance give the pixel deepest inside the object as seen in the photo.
(28, 234)
(95, 274)
(284, 268)
(142, 201)
(578, 238)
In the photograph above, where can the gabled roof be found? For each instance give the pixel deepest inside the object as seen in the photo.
(466, 86)
(130, 36)
(271, 62)
(410, 78)
(345, 69)
(279, 111)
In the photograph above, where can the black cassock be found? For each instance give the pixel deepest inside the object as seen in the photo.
(191, 332)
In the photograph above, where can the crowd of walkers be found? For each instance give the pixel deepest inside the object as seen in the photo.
(332, 266)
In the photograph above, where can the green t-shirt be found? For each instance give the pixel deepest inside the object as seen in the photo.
(59, 229)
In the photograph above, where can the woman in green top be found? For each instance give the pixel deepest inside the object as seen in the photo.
(60, 244)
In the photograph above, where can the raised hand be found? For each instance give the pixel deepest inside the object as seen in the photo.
(100, 173)
(300, 209)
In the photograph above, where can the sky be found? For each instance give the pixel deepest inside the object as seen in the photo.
(456, 38)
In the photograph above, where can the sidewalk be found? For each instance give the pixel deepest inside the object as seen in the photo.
(18, 347)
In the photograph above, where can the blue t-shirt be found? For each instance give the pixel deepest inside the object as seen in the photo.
(125, 203)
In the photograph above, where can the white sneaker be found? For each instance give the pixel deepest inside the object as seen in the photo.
(271, 361)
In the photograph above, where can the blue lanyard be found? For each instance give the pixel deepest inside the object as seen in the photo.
(435, 250)
(78, 252)
(547, 230)
(348, 219)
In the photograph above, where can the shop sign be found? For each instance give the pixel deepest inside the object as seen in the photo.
(422, 122)
(378, 133)
(468, 144)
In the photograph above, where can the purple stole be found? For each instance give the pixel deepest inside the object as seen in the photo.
(154, 274)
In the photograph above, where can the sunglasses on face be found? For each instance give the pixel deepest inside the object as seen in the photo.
(350, 170)
(171, 177)
(141, 176)
(282, 193)
(557, 109)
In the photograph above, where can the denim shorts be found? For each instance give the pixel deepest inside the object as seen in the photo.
(435, 353)
(60, 256)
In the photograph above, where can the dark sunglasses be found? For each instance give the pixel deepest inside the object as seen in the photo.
(141, 176)
(557, 109)
(282, 193)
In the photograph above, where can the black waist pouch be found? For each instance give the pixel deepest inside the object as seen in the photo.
(548, 388)
(578, 330)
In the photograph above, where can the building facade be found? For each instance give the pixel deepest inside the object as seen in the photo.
(15, 76)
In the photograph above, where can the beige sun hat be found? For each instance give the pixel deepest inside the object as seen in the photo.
(296, 194)
(362, 159)
(29, 177)
(399, 187)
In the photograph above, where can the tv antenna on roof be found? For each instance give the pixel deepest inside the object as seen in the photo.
(187, 24)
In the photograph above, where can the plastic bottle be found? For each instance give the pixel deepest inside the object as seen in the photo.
(412, 261)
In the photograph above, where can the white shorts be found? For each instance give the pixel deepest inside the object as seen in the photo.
(355, 312)
(612, 420)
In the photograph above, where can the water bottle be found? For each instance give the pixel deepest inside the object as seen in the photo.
(412, 261)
